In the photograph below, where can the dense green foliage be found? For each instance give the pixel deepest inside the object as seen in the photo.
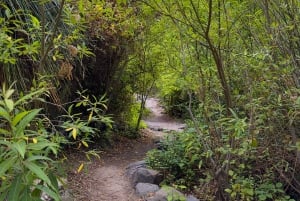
(26, 148)
(232, 67)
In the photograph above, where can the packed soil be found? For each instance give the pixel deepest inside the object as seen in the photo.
(104, 179)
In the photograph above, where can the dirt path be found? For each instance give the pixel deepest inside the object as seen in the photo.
(159, 120)
(105, 180)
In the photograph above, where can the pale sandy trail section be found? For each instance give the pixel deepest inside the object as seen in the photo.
(159, 120)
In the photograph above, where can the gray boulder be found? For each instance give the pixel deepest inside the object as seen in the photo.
(191, 198)
(144, 175)
(131, 168)
(143, 189)
(167, 193)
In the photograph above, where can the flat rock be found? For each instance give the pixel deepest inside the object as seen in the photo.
(167, 193)
(143, 189)
(191, 198)
(144, 175)
(131, 168)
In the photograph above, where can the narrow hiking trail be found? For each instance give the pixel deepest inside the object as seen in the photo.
(105, 180)
(159, 120)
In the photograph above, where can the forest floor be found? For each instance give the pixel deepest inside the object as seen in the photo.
(104, 179)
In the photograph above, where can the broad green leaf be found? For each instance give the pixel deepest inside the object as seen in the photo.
(54, 149)
(35, 22)
(26, 196)
(54, 181)
(8, 93)
(78, 104)
(20, 146)
(9, 104)
(19, 117)
(29, 96)
(3, 194)
(41, 145)
(26, 120)
(36, 193)
(34, 158)
(4, 114)
(6, 165)
(15, 188)
(37, 171)
(47, 190)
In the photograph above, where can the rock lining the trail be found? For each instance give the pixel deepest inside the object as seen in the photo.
(131, 168)
(166, 193)
(146, 183)
(144, 189)
(145, 175)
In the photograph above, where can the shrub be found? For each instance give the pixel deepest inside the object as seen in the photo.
(186, 161)
(27, 168)
(180, 159)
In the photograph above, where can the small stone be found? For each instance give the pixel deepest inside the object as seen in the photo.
(191, 198)
(131, 168)
(166, 193)
(143, 189)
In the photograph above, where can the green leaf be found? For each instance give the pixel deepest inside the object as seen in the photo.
(228, 190)
(19, 117)
(254, 142)
(26, 196)
(41, 145)
(3, 195)
(34, 158)
(51, 193)
(36, 193)
(54, 181)
(4, 114)
(9, 104)
(8, 93)
(230, 173)
(29, 96)
(25, 121)
(20, 146)
(278, 185)
(35, 22)
(262, 197)
(37, 171)
(15, 188)
(7, 164)
(248, 191)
